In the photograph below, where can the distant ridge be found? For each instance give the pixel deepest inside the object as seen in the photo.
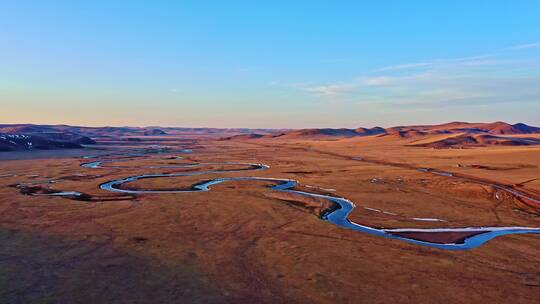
(466, 140)
(459, 133)
(495, 128)
(97, 132)
(328, 132)
(244, 136)
(448, 135)
(499, 128)
(12, 142)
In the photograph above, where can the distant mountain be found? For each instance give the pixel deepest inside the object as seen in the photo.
(525, 129)
(23, 129)
(12, 142)
(64, 134)
(331, 133)
(154, 132)
(498, 128)
(466, 140)
(30, 137)
(405, 133)
(372, 131)
(416, 131)
(320, 133)
(111, 132)
(81, 131)
(244, 136)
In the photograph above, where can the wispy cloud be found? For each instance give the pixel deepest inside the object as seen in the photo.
(376, 80)
(434, 62)
(463, 59)
(474, 80)
(328, 90)
(525, 46)
(390, 80)
(404, 66)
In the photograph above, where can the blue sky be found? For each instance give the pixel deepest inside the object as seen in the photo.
(269, 64)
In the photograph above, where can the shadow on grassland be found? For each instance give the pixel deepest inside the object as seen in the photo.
(37, 268)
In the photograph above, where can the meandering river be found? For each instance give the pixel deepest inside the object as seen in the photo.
(471, 236)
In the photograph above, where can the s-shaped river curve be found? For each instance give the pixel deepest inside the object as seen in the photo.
(474, 236)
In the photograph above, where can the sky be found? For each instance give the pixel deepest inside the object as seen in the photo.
(269, 64)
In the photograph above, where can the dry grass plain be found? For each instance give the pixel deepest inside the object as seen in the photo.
(239, 243)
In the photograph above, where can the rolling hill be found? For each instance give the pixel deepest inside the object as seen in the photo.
(468, 140)
(13, 142)
(448, 135)
(453, 134)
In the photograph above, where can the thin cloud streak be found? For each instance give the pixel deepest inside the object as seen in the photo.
(474, 80)
(434, 62)
(525, 46)
(404, 66)
(329, 90)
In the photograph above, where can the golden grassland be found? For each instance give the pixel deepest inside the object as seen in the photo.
(239, 243)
